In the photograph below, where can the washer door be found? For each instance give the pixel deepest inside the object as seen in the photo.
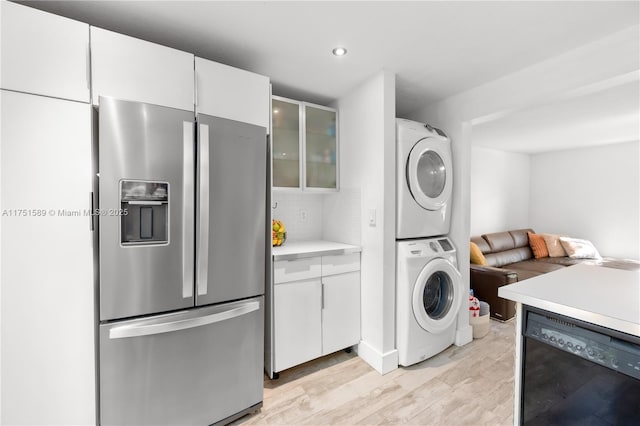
(437, 295)
(429, 175)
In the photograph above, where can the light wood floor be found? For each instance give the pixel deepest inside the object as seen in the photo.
(469, 385)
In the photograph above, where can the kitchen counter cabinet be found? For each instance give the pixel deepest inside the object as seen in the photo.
(340, 301)
(44, 54)
(298, 320)
(316, 302)
(130, 69)
(228, 92)
(340, 311)
(605, 297)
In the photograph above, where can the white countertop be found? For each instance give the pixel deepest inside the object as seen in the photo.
(299, 249)
(604, 296)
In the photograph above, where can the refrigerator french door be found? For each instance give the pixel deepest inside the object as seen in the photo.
(182, 207)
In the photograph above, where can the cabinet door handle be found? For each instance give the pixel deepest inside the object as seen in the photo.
(322, 295)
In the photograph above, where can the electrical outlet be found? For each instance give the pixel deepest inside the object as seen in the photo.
(303, 215)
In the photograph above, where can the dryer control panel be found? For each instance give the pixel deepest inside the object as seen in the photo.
(445, 244)
(429, 247)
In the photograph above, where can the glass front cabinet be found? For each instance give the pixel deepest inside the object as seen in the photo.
(305, 145)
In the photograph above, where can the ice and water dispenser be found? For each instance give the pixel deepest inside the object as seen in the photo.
(145, 207)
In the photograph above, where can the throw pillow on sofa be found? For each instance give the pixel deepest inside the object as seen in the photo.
(476, 256)
(538, 246)
(579, 249)
(553, 245)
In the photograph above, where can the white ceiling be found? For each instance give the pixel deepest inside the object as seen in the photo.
(435, 48)
(603, 117)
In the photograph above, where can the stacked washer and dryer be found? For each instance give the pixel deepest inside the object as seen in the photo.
(429, 290)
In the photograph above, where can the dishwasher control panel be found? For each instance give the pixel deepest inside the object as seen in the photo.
(596, 346)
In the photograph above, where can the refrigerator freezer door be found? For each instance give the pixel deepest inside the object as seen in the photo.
(194, 367)
(153, 146)
(231, 230)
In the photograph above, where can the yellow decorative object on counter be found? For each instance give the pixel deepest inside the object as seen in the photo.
(278, 233)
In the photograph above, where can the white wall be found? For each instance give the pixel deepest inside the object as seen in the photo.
(333, 216)
(499, 190)
(300, 212)
(367, 135)
(341, 214)
(591, 193)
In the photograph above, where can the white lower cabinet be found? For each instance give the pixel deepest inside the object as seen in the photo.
(341, 311)
(316, 307)
(297, 317)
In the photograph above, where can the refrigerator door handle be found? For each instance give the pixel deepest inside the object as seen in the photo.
(202, 267)
(183, 324)
(187, 208)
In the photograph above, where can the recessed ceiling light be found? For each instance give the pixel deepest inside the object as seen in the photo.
(340, 51)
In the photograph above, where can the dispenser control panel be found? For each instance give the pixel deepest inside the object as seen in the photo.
(146, 204)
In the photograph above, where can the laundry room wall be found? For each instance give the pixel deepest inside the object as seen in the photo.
(341, 215)
(367, 144)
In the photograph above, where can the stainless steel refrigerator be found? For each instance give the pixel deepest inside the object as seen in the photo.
(182, 207)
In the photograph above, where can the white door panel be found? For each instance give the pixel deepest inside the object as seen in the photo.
(47, 313)
(297, 323)
(340, 311)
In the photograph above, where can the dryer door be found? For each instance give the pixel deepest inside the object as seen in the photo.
(429, 174)
(437, 295)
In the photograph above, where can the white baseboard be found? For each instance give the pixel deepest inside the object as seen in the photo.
(464, 335)
(383, 363)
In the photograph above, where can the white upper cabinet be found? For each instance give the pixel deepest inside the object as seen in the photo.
(127, 68)
(44, 54)
(305, 146)
(320, 147)
(286, 139)
(228, 92)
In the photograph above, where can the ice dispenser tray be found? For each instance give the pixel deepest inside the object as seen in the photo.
(146, 212)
